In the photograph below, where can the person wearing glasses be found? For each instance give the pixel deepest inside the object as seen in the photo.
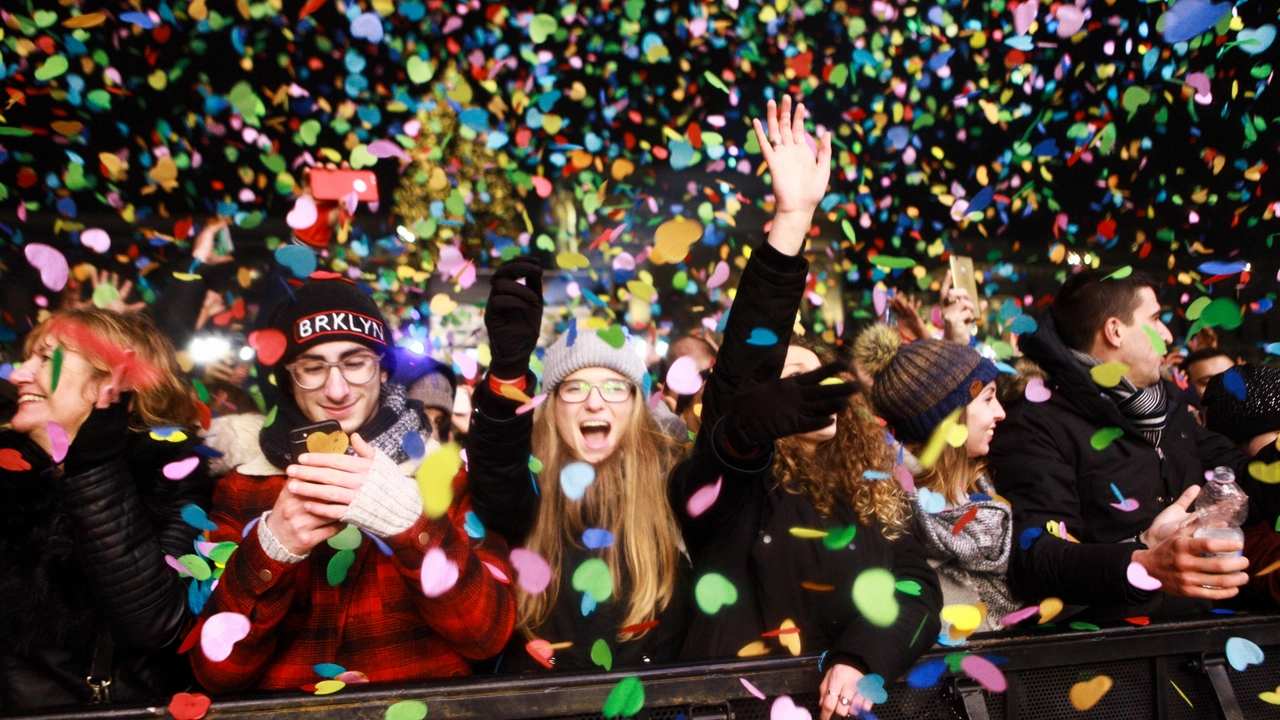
(596, 509)
(294, 516)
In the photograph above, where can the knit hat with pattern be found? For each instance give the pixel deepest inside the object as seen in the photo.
(1242, 419)
(917, 385)
(577, 349)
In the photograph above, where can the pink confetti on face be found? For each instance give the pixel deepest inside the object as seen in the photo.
(1036, 391)
(496, 571)
(985, 672)
(534, 402)
(304, 213)
(1138, 577)
(439, 573)
(683, 376)
(58, 441)
(533, 574)
(704, 498)
(1018, 616)
(751, 688)
(220, 634)
(181, 468)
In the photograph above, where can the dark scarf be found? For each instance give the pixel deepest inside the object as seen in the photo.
(1147, 409)
(395, 418)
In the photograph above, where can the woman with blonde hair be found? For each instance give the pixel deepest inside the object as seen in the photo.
(807, 545)
(594, 519)
(967, 530)
(96, 473)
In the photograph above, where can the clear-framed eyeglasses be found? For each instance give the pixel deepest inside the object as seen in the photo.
(312, 373)
(577, 391)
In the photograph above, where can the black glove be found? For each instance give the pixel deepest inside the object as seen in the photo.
(101, 437)
(513, 316)
(766, 409)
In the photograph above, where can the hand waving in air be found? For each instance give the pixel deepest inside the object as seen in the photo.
(800, 168)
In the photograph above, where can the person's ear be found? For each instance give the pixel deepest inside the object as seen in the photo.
(383, 375)
(1113, 333)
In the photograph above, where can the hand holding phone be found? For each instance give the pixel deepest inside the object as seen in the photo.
(322, 437)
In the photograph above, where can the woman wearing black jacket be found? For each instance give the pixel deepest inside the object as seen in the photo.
(835, 592)
(89, 609)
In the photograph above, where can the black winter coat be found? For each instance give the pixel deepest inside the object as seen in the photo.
(82, 557)
(1043, 463)
(746, 535)
(504, 496)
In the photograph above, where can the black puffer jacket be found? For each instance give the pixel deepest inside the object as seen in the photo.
(81, 561)
(1043, 463)
(746, 535)
(506, 500)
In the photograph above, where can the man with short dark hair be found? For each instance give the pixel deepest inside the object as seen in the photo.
(1205, 363)
(1102, 475)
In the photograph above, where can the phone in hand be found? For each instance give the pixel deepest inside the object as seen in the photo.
(298, 437)
(337, 184)
(964, 278)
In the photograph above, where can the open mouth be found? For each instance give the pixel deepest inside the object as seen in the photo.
(30, 398)
(595, 434)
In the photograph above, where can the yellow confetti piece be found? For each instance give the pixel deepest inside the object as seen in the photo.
(435, 479)
(940, 438)
(965, 618)
(789, 640)
(329, 687)
(1049, 609)
(514, 393)
(807, 533)
(754, 649)
(442, 304)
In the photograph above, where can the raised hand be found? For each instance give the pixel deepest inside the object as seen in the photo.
(839, 693)
(800, 168)
(958, 312)
(766, 409)
(513, 316)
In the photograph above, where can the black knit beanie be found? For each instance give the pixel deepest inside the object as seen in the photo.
(1242, 419)
(322, 311)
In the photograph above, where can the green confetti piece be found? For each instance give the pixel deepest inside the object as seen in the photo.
(407, 710)
(202, 392)
(348, 539)
(625, 699)
(893, 263)
(1079, 625)
(339, 564)
(713, 592)
(53, 67)
(839, 538)
(715, 82)
(1102, 439)
(1120, 274)
(908, 587)
(601, 654)
(535, 465)
(104, 295)
(15, 132)
(1196, 308)
(1223, 312)
(1157, 342)
(56, 363)
(873, 596)
(196, 566)
(222, 552)
(270, 418)
(593, 577)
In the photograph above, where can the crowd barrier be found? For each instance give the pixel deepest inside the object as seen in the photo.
(1169, 670)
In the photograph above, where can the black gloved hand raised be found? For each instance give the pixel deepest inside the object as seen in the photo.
(766, 409)
(101, 437)
(513, 316)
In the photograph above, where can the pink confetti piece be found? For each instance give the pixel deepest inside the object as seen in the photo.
(497, 572)
(1018, 616)
(1036, 392)
(220, 634)
(58, 441)
(751, 688)
(1138, 577)
(534, 402)
(51, 264)
(179, 469)
(703, 498)
(683, 376)
(172, 562)
(304, 213)
(985, 672)
(533, 574)
(439, 573)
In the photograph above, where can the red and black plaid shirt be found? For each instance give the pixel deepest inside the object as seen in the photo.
(377, 621)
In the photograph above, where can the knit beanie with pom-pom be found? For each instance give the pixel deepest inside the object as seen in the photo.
(917, 385)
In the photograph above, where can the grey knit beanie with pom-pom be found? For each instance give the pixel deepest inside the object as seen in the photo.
(917, 385)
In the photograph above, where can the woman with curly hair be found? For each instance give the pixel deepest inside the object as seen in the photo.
(96, 474)
(967, 529)
(807, 515)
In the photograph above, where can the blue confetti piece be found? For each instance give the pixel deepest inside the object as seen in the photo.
(1023, 325)
(1223, 611)
(1234, 384)
(871, 687)
(206, 451)
(762, 337)
(1005, 368)
(1272, 348)
(982, 200)
(195, 598)
(473, 526)
(573, 333)
(595, 538)
(588, 604)
(140, 19)
(245, 533)
(980, 497)
(1029, 536)
(382, 546)
(195, 516)
(413, 445)
(328, 670)
(724, 322)
(875, 475)
(165, 432)
(1218, 267)
(7, 368)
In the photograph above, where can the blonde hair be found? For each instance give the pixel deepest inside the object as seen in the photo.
(111, 341)
(955, 475)
(628, 498)
(834, 473)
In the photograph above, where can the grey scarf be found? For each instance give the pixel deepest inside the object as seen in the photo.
(1147, 409)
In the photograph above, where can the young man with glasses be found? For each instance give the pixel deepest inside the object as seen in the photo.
(334, 546)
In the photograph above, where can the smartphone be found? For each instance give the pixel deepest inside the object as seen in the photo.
(298, 437)
(336, 184)
(963, 278)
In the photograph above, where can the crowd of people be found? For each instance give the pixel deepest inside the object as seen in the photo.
(157, 540)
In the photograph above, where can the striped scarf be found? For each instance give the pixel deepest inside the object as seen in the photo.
(1147, 409)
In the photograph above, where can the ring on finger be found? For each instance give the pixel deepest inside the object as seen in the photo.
(844, 700)
(831, 692)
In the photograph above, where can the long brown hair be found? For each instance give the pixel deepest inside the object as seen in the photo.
(955, 475)
(107, 338)
(628, 498)
(834, 473)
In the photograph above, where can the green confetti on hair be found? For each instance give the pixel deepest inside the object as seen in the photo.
(57, 368)
(1120, 274)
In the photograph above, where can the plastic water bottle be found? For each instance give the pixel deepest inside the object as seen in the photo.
(1223, 508)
